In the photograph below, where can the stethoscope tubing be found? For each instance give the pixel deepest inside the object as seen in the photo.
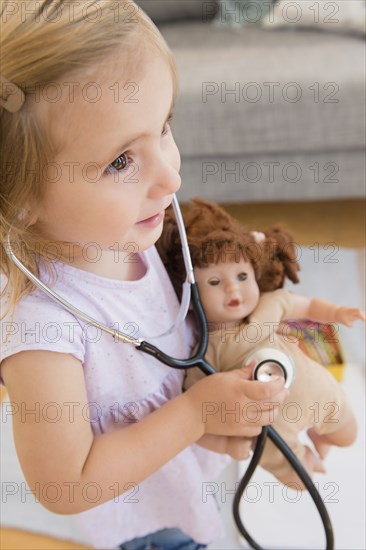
(270, 432)
(196, 360)
(64, 303)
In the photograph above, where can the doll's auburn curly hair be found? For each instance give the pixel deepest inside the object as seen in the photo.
(216, 237)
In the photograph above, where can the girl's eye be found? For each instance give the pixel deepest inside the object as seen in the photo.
(120, 162)
(118, 165)
(214, 282)
(242, 276)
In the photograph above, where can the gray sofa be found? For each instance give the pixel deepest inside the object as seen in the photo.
(264, 114)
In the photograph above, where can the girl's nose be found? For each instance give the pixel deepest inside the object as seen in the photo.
(167, 184)
(164, 176)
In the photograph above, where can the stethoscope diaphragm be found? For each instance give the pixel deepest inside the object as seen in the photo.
(272, 364)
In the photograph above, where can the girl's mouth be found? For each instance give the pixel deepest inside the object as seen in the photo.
(153, 221)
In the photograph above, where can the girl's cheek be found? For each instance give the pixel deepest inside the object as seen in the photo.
(128, 176)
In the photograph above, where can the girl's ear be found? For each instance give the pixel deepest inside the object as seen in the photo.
(27, 216)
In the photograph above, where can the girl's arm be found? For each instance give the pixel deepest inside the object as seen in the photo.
(323, 311)
(70, 470)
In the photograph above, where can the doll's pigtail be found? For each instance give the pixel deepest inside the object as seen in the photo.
(279, 259)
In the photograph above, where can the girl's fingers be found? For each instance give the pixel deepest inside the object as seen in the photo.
(232, 404)
(263, 391)
(247, 371)
(251, 431)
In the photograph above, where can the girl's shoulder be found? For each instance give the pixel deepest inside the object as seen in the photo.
(148, 307)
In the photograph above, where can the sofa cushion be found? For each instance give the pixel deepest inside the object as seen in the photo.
(335, 16)
(317, 175)
(238, 13)
(162, 11)
(294, 91)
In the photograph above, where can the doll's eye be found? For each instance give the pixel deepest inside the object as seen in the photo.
(214, 282)
(242, 276)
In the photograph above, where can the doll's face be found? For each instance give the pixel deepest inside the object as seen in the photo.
(229, 291)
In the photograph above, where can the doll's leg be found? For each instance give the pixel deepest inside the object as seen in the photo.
(273, 461)
(320, 442)
(311, 463)
(343, 437)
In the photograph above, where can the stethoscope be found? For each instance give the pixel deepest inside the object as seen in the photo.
(269, 365)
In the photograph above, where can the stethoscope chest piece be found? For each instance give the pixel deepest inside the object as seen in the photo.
(272, 364)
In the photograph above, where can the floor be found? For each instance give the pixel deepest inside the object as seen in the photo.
(277, 520)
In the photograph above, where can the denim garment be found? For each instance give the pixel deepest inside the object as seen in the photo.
(166, 539)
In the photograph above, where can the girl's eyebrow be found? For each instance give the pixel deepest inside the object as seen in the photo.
(139, 136)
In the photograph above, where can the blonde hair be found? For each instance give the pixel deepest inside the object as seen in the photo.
(42, 42)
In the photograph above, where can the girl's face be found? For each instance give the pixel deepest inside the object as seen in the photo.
(228, 291)
(117, 166)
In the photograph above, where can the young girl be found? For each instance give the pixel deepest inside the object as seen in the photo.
(90, 165)
(240, 275)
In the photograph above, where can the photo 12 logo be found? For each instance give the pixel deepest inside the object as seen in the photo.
(268, 491)
(270, 92)
(241, 13)
(89, 12)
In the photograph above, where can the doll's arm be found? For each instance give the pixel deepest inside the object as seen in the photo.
(323, 311)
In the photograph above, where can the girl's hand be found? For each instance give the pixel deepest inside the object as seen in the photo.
(348, 315)
(232, 404)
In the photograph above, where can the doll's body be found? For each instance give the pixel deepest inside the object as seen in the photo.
(239, 275)
(316, 401)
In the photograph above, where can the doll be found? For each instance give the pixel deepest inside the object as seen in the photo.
(240, 275)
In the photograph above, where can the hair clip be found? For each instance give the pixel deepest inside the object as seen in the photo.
(258, 236)
(22, 214)
(11, 96)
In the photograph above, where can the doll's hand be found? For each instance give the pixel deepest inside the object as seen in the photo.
(348, 315)
(237, 447)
